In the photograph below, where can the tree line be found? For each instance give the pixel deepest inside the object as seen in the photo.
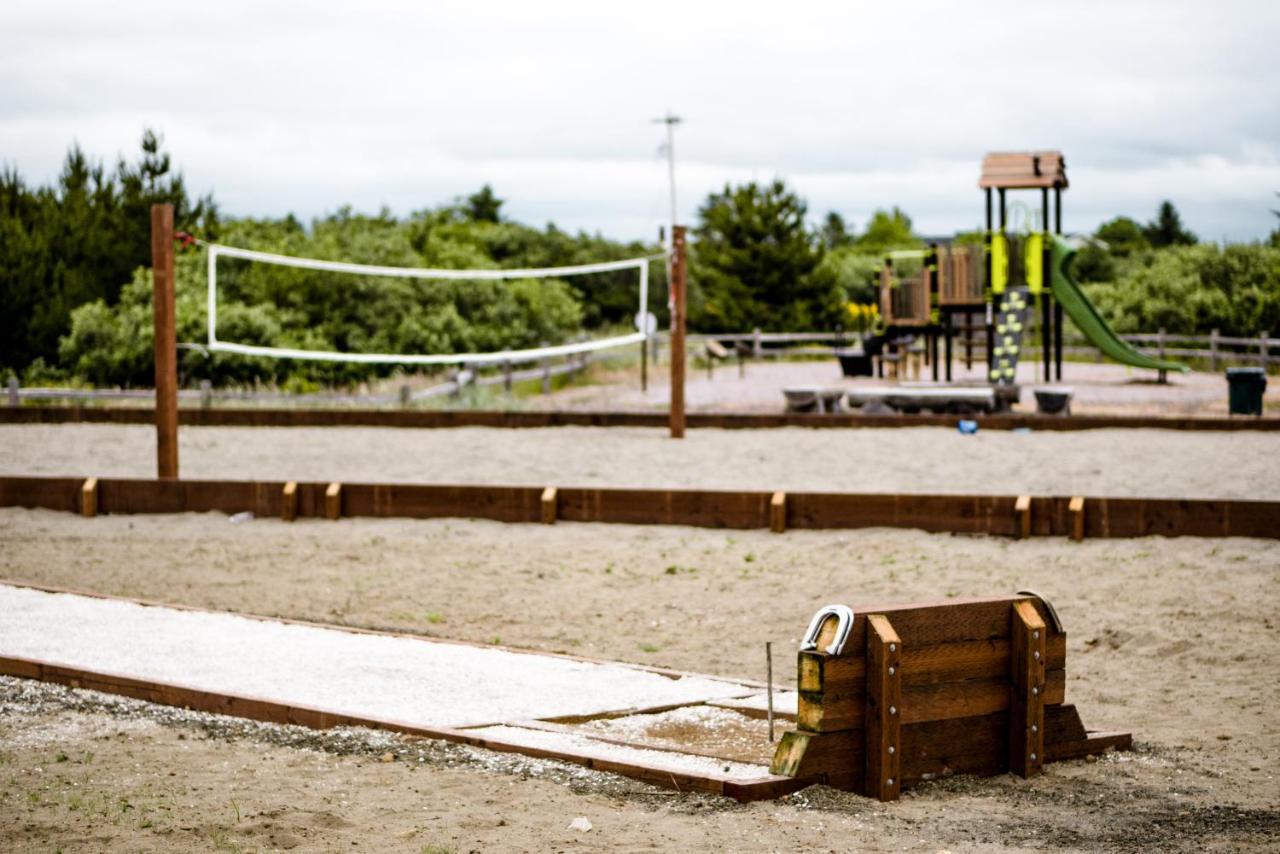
(75, 292)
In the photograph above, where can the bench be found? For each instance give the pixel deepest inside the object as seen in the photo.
(890, 696)
(825, 400)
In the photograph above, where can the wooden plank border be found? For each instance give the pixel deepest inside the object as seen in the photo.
(999, 515)
(444, 419)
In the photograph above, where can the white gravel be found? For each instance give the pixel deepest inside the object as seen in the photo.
(409, 680)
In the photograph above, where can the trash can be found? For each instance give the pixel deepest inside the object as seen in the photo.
(1245, 387)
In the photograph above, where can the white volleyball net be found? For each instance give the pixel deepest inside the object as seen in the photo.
(426, 276)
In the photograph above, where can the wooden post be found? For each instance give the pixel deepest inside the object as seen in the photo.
(289, 502)
(644, 363)
(549, 505)
(1075, 517)
(1213, 351)
(166, 345)
(1160, 343)
(506, 376)
(89, 498)
(333, 501)
(1262, 350)
(678, 272)
(757, 348)
(14, 398)
(1022, 517)
(1026, 671)
(778, 512)
(884, 710)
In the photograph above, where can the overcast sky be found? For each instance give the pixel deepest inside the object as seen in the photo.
(304, 107)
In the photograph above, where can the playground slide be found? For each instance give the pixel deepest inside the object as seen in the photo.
(1086, 317)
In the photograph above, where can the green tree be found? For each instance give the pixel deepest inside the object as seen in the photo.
(1166, 229)
(888, 230)
(835, 232)
(1123, 236)
(754, 263)
(484, 206)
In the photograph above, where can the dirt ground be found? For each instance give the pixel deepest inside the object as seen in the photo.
(1144, 463)
(1173, 639)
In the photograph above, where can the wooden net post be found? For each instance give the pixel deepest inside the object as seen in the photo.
(678, 273)
(166, 346)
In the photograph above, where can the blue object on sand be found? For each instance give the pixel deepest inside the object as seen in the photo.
(967, 426)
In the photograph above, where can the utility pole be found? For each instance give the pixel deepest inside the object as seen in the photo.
(671, 121)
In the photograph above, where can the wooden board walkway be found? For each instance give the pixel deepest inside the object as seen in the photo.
(1076, 517)
(292, 672)
(441, 419)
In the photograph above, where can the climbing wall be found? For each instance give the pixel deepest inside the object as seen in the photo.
(1010, 321)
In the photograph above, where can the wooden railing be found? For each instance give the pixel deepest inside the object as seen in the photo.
(1217, 350)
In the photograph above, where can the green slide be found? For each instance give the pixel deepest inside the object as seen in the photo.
(1086, 317)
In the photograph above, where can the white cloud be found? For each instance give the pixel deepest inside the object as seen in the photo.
(277, 107)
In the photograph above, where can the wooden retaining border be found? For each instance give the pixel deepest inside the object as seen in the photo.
(441, 419)
(272, 711)
(1077, 517)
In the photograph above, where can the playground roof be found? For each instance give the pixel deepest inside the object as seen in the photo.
(1023, 170)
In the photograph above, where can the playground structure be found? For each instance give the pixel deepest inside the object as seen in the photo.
(892, 696)
(999, 287)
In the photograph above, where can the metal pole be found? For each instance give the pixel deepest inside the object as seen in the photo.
(166, 347)
(768, 660)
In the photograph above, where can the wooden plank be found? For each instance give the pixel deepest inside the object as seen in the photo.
(549, 505)
(778, 512)
(677, 305)
(883, 738)
(89, 498)
(834, 758)
(1075, 515)
(50, 493)
(333, 501)
(289, 501)
(446, 419)
(1027, 675)
(1022, 517)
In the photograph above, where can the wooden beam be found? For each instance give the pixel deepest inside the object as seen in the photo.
(1027, 673)
(883, 779)
(677, 280)
(89, 498)
(333, 501)
(549, 503)
(778, 513)
(289, 502)
(1075, 517)
(1022, 517)
(166, 346)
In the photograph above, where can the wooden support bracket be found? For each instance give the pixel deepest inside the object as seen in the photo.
(333, 501)
(289, 502)
(549, 505)
(1075, 517)
(89, 498)
(883, 779)
(1027, 673)
(1022, 517)
(778, 512)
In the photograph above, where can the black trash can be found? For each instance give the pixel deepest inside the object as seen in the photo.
(855, 363)
(1244, 390)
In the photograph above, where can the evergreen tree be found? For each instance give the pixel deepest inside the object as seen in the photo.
(755, 263)
(1166, 229)
(484, 206)
(835, 233)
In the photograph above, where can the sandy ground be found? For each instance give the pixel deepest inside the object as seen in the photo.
(1145, 463)
(1175, 640)
(1099, 389)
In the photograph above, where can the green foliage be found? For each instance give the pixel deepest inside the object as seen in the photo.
(1123, 236)
(79, 241)
(1195, 289)
(855, 273)
(756, 264)
(888, 230)
(835, 232)
(1166, 229)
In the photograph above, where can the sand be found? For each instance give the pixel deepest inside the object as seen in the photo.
(1173, 639)
(1142, 463)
